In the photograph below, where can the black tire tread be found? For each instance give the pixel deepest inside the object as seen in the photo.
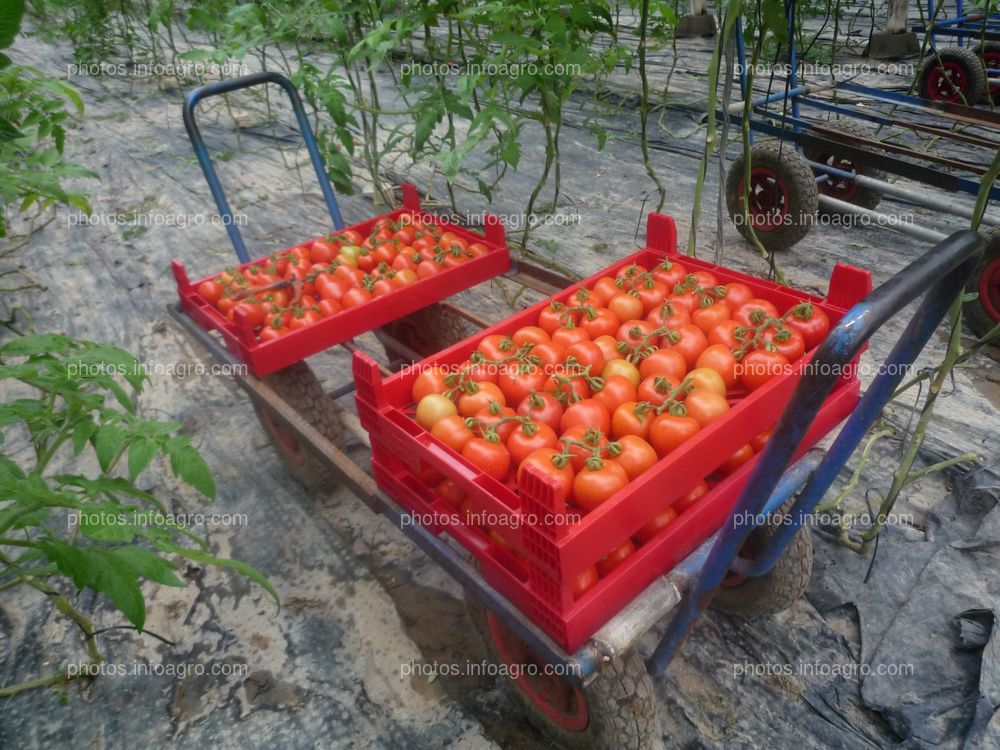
(621, 700)
(803, 194)
(298, 385)
(781, 587)
(979, 322)
(963, 55)
(866, 197)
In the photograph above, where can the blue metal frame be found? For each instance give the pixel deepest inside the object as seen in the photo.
(942, 273)
(962, 27)
(796, 128)
(212, 177)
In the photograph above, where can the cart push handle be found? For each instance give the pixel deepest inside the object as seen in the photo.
(212, 177)
(942, 273)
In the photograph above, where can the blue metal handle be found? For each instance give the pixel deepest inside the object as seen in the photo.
(942, 273)
(212, 177)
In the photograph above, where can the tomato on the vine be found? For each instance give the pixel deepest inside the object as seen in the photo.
(529, 437)
(689, 341)
(664, 362)
(668, 432)
(210, 291)
(636, 457)
(541, 407)
(432, 408)
(597, 481)
(751, 314)
(518, 381)
(787, 341)
(759, 367)
(430, 380)
(631, 418)
(614, 392)
(709, 316)
(656, 389)
(495, 417)
(705, 406)
(811, 321)
(586, 412)
(599, 321)
(489, 456)
(453, 432)
(721, 360)
(551, 463)
(477, 396)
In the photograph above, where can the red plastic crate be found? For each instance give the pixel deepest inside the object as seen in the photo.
(550, 555)
(264, 358)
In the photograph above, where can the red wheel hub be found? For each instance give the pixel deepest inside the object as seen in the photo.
(284, 440)
(558, 698)
(991, 59)
(839, 187)
(989, 290)
(768, 200)
(948, 82)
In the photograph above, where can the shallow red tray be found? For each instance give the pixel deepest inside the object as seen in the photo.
(264, 358)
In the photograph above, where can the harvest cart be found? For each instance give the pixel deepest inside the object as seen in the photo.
(967, 71)
(830, 147)
(600, 694)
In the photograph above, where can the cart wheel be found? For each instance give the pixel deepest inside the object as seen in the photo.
(848, 190)
(298, 385)
(783, 198)
(617, 711)
(983, 313)
(989, 54)
(958, 77)
(780, 587)
(427, 331)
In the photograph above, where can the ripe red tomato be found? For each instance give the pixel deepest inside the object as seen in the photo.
(528, 438)
(529, 335)
(719, 358)
(552, 464)
(637, 456)
(453, 432)
(605, 288)
(430, 380)
(725, 334)
(760, 439)
(451, 493)
(555, 316)
(609, 347)
(567, 337)
(477, 396)
(626, 306)
(584, 582)
(491, 457)
(355, 297)
(689, 341)
(668, 432)
(497, 417)
(567, 385)
(655, 525)
(597, 481)
(737, 294)
(631, 419)
(668, 362)
(586, 412)
(705, 406)
(541, 407)
(636, 333)
(548, 355)
(760, 366)
(328, 308)
(321, 251)
(669, 315)
(599, 321)
(584, 354)
(670, 272)
(210, 291)
(658, 388)
(690, 497)
(810, 321)
(517, 381)
(787, 341)
(615, 392)
(708, 317)
(497, 346)
(593, 440)
(735, 461)
(615, 558)
(254, 313)
(751, 314)
(651, 293)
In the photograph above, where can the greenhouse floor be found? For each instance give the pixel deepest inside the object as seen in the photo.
(361, 606)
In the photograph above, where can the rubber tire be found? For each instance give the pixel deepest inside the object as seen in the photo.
(299, 387)
(865, 197)
(780, 587)
(963, 56)
(427, 331)
(620, 701)
(795, 172)
(979, 321)
(994, 48)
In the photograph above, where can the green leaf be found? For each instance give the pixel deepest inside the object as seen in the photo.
(148, 565)
(108, 443)
(100, 570)
(140, 453)
(11, 12)
(187, 463)
(8, 131)
(82, 432)
(42, 343)
(240, 567)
